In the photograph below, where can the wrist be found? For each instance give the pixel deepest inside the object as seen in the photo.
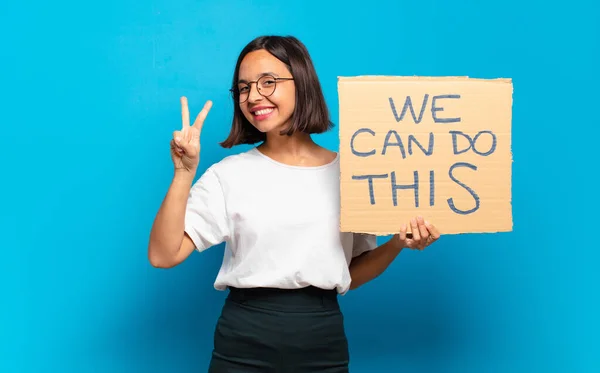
(396, 243)
(184, 176)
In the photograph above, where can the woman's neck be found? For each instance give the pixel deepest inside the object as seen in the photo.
(297, 145)
(297, 150)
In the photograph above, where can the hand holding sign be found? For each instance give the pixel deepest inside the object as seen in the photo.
(185, 145)
(422, 235)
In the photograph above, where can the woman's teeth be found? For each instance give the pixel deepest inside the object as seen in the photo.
(263, 111)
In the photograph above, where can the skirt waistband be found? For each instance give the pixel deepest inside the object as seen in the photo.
(307, 299)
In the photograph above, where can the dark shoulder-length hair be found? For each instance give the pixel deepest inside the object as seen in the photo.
(310, 115)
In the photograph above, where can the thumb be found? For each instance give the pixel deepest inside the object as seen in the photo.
(402, 233)
(187, 147)
(181, 142)
(177, 137)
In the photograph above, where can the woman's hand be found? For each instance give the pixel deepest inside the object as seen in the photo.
(185, 145)
(422, 235)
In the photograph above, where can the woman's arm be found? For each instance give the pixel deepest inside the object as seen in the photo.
(371, 264)
(169, 245)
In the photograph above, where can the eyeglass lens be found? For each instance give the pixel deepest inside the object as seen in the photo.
(265, 86)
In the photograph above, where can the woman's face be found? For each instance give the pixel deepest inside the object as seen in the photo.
(275, 111)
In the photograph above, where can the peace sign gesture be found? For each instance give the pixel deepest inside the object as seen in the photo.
(185, 145)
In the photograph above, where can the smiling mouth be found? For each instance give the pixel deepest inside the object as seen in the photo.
(263, 112)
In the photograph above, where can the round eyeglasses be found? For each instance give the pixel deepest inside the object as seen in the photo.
(265, 86)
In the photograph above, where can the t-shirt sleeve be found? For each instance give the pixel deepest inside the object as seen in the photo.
(362, 243)
(206, 215)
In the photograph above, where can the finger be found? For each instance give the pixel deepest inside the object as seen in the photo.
(182, 137)
(187, 135)
(195, 137)
(199, 122)
(180, 141)
(185, 113)
(415, 230)
(186, 147)
(423, 231)
(435, 233)
(176, 148)
(417, 239)
(402, 233)
(177, 137)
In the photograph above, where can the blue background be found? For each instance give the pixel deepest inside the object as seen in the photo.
(90, 97)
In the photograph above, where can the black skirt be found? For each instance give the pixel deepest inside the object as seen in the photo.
(283, 331)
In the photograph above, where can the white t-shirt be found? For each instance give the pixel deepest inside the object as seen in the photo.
(280, 223)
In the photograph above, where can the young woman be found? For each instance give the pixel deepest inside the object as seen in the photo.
(277, 209)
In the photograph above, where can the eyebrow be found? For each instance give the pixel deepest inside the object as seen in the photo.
(260, 76)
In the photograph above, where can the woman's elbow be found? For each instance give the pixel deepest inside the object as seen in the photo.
(158, 260)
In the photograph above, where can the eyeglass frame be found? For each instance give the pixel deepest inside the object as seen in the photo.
(249, 84)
